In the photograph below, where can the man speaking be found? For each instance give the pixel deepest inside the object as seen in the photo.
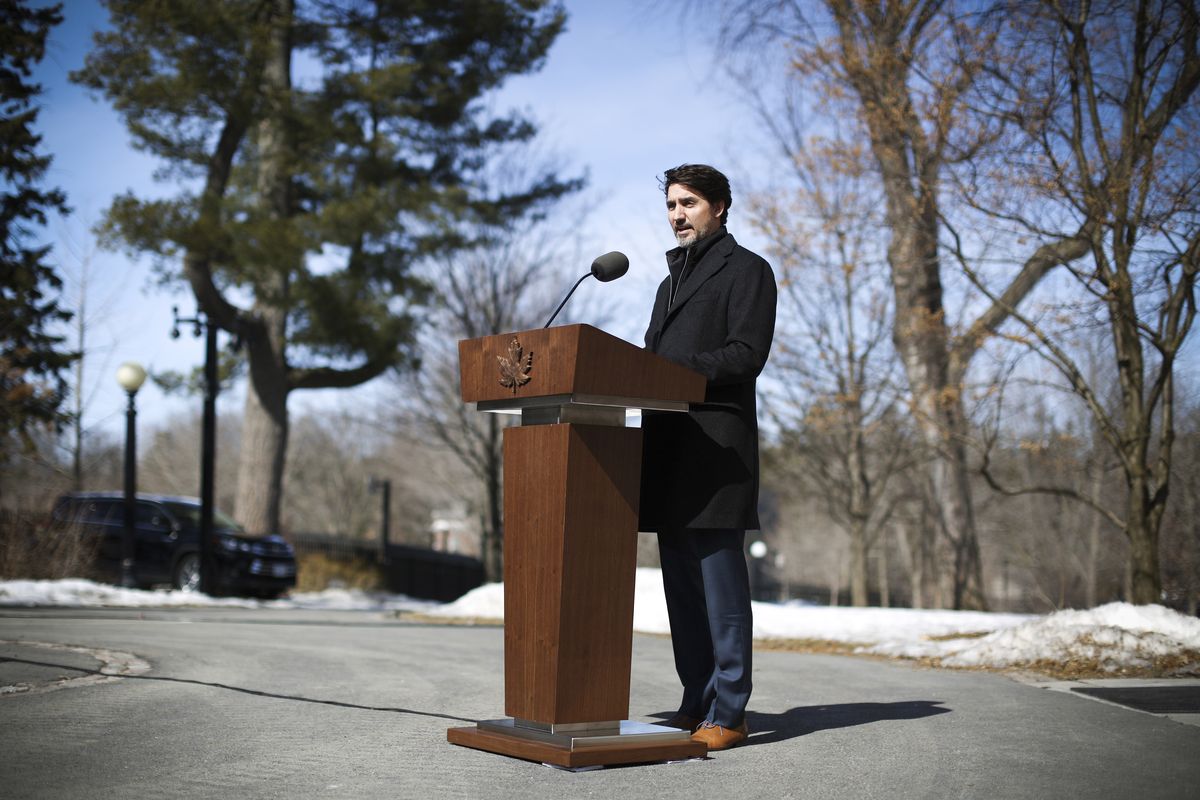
(714, 313)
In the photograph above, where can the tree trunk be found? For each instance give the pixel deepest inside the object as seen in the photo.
(264, 432)
(879, 67)
(1142, 529)
(1193, 563)
(80, 348)
(881, 554)
(835, 581)
(913, 552)
(920, 337)
(265, 420)
(858, 564)
(1093, 556)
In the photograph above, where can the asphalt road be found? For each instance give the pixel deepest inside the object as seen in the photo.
(267, 704)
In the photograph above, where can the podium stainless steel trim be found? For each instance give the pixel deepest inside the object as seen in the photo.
(577, 728)
(517, 404)
(626, 732)
(573, 412)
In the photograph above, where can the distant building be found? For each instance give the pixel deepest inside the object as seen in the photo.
(452, 530)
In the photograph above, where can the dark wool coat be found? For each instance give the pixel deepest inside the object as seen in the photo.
(700, 469)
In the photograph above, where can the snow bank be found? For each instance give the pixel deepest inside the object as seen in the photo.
(80, 592)
(1112, 636)
(487, 602)
(483, 602)
(771, 620)
(872, 625)
(77, 592)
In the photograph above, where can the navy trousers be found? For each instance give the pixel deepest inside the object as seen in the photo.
(708, 603)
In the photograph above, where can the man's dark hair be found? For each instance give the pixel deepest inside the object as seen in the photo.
(708, 182)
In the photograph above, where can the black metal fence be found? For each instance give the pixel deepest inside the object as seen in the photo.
(413, 571)
(429, 574)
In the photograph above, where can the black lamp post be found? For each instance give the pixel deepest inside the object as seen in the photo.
(131, 376)
(384, 487)
(208, 447)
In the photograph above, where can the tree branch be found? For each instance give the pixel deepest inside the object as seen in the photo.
(1055, 491)
(333, 378)
(1036, 267)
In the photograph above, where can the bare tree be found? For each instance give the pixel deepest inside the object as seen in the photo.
(337, 453)
(510, 284)
(1057, 553)
(836, 397)
(904, 69)
(1104, 95)
(170, 458)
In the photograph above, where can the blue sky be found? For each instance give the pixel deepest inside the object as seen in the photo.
(624, 95)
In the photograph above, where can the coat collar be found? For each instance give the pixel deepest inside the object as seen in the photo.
(712, 260)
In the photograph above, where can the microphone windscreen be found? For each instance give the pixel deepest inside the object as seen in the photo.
(610, 266)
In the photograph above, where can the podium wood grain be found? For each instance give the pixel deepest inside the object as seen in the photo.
(570, 554)
(574, 359)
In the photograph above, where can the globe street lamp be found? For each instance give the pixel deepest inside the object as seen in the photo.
(131, 376)
(758, 549)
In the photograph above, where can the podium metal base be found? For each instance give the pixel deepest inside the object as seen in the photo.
(626, 742)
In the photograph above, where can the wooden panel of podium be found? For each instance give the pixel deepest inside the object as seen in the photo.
(572, 474)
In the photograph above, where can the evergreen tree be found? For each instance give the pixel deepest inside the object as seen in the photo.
(306, 202)
(32, 362)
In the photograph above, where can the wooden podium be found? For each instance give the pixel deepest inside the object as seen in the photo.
(572, 474)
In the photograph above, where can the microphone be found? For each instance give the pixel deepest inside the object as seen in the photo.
(610, 266)
(605, 268)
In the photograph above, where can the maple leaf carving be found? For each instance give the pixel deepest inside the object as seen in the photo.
(514, 370)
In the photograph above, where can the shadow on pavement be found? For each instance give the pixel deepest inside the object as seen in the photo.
(255, 692)
(802, 720)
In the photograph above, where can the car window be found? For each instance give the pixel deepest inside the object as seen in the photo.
(116, 512)
(152, 515)
(97, 511)
(190, 514)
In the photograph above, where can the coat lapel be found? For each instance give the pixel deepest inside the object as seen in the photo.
(658, 317)
(713, 262)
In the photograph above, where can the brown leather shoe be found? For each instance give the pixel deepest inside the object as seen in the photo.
(683, 722)
(718, 737)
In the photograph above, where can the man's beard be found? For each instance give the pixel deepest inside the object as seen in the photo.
(691, 236)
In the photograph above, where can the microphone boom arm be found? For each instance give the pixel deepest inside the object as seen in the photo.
(586, 275)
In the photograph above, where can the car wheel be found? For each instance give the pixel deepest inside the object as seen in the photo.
(187, 573)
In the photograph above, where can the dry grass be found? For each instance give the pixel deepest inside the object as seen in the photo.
(32, 549)
(949, 637)
(316, 572)
(1184, 664)
(824, 646)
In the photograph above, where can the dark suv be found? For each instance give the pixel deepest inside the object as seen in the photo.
(167, 544)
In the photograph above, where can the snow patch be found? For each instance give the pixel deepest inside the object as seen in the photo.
(482, 602)
(1113, 636)
(77, 592)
